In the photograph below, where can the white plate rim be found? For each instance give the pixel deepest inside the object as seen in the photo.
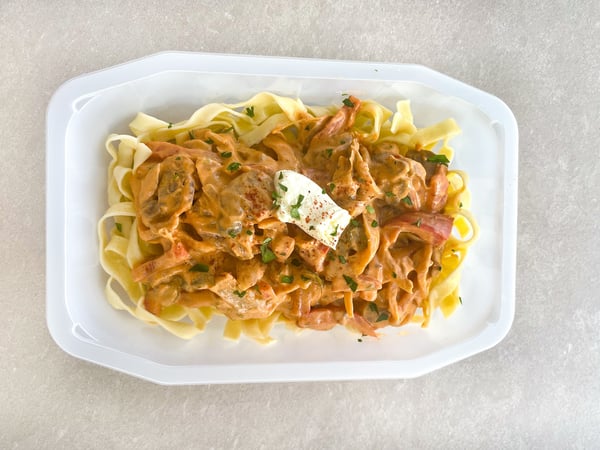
(79, 89)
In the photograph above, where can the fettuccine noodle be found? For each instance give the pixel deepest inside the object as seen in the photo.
(192, 228)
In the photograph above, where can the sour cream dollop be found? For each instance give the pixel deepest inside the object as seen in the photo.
(305, 204)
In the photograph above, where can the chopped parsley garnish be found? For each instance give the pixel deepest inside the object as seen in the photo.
(119, 227)
(460, 205)
(342, 259)
(354, 222)
(394, 275)
(250, 111)
(209, 141)
(331, 186)
(460, 300)
(232, 233)
(351, 283)
(335, 231)
(347, 102)
(283, 187)
(439, 159)
(275, 195)
(281, 175)
(312, 227)
(296, 262)
(329, 152)
(370, 209)
(199, 268)
(191, 134)
(226, 130)
(170, 125)
(249, 232)
(359, 340)
(323, 191)
(389, 194)
(234, 166)
(418, 223)
(287, 279)
(383, 316)
(226, 154)
(266, 253)
(373, 307)
(177, 158)
(240, 294)
(407, 201)
(374, 224)
(294, 209)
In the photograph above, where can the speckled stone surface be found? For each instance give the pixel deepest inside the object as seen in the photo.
(539, 388)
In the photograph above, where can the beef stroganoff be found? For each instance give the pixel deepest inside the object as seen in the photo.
(270, 210)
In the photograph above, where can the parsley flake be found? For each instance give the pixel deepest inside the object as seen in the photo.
(266, 253)
(370, 209)
(240, 294)
(294, 209)
(170, 125)
(234, 166)
(199, 268)
(351, 283)
(329, 152)
(331, 186)
(383, 316)
(374, 224)
(439, 159)
(282, 187)
(249, 232)
(119, 227)
(354, 222)
(250, 111)
(287, 279)
(460, 300)
(191, 134)
(209, 141)
(394, 275)
(281, 175)
(389, 194)
(342, 259)
(232, 233)
(226, 154)
(373, 307)
(335, 231)
(418, 223)
(347, 102)
(407, 201)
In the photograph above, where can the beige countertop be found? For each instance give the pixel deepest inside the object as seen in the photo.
(540, 387)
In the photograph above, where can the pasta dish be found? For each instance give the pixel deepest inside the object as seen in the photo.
(272, 211)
